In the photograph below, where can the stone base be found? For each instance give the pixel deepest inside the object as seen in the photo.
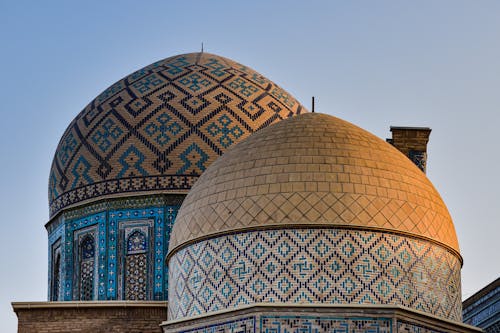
(101, 316)
(289, 318)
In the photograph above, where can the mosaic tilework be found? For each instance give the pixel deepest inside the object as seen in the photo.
(136, 277)
(309, 324)
(71, 268)
(328, 266)
(55, 271)
(110, 222)
(56, 285)
(243, 325)
(118, 224)
(293, 319)
(406, 327)
(298, 324)
(87, 262)
(158, 200)
(137, 242)
(314, 169)
(160, 127)
(419, 158)
(56, 241)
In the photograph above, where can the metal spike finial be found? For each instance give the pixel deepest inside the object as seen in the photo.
(312, 109)
(201, 47)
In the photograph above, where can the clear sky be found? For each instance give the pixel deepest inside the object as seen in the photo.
(374, 63)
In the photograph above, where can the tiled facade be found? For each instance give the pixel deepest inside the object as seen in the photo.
(298, 324)
(406, 327)
(160, 127)
(241, 325)
(281, 318)
(314, 266)
(314, 170)
(128, 259)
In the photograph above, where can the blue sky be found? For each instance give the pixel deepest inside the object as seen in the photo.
(374, 63)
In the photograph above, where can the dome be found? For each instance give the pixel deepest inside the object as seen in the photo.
(313, 170)
(156, 130)
(313, 210)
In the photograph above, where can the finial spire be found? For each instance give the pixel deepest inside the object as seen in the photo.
(312, 109)
(201, 47)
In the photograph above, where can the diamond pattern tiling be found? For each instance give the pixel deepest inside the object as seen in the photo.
(314, 266)
(170, 119)
(273, 178)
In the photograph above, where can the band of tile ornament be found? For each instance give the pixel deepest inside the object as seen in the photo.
(279, 323)
(307, 266)
(297, 323)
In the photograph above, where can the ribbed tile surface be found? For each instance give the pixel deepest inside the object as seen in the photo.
(316, 170)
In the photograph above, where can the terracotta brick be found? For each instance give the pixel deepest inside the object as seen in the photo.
(92, 317)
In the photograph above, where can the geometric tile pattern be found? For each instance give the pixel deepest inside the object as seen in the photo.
(136, 264)
(133, 258)
(419, 158)
(160, 127)
(303, 323)
(313, 170)
(406, 327)
(87, 264)
(74, 232)
(243, 325)
(125, 270)
(87, 280)
(327, 266)
(136, 277)
(137, 243)
(127, 265)
(312, 322)
(56, 275)
(297, 324)
(300, 323)
(56, 252)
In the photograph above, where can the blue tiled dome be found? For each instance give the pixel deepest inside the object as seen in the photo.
(156, 130)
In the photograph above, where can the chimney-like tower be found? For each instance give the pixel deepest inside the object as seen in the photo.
(412, 141)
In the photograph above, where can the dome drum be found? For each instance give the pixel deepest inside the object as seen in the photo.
(314, 266)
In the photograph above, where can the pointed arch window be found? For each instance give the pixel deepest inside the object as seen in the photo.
(87, 264)
(136, 266)
(56, 276)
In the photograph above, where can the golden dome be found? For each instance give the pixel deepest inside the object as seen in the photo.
(157, 129)
(313, 170)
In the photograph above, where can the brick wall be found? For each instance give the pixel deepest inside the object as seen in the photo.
(412, 141)
(92, 317)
